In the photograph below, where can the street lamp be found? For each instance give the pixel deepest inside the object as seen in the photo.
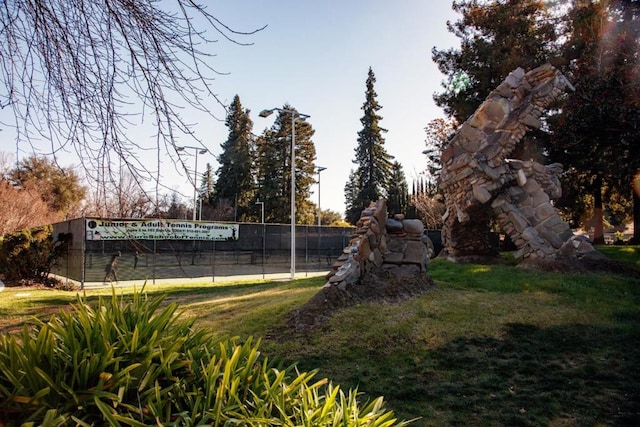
(198, 150)
(261, 209)
(319, 169)
(294, 116)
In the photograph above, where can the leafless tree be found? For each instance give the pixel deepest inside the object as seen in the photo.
(80, 74)
(120, 199)
(23, 208)
(430, 209)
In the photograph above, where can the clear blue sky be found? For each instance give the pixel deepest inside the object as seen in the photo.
(315, 55)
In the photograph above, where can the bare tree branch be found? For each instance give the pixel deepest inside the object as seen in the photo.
(80, 74)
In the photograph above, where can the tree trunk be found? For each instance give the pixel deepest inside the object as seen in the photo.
(598, 226)
(636, 208)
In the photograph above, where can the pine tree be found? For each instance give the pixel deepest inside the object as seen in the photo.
(206, 193)
(596, 136)
(372, 176)
(235, 185)
(273, 163)
(496, 37)
(398, 191)
(353, 207)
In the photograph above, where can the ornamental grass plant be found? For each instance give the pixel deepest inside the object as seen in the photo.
(133, 360)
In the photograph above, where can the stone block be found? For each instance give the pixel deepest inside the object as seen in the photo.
(514, 78)
(373, 239)
(415, 253)
(460, 162)
(492, 151)
(364, 249)
(529, 233)
(382, 245)
(531, 186)
(553, 239)
(413, 226)
(396, 245)
(539, 198)
(504, 89)
(393, 258)
(518, 221)
(447, 154)
(481, 194)
(394, 226)
(374, 226)
(381, 213)
(552, 221)
(377, 258)
(545, 211)
(532, 121)
(463, 173)
(492, 172)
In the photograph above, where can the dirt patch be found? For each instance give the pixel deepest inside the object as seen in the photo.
(389, 286)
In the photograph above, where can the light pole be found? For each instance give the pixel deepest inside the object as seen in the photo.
(319, 169)
(263, 239)
(294, 116)
(198, 150)
(261, 210)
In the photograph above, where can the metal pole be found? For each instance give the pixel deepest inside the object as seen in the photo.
(320, 169)
(294, 116)
(293, 195)
(263, 240)
(195, 186)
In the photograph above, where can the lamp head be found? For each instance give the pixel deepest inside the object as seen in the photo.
(179, 148)
(321, 168)
(265, 113)
(203, 151)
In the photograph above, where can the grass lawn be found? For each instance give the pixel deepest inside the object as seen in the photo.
(491, 345)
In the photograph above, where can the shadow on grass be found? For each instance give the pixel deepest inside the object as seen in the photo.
(562, 375)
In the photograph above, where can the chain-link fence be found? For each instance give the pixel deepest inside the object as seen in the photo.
(260, 249)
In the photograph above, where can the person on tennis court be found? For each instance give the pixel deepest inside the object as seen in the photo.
(112, 269)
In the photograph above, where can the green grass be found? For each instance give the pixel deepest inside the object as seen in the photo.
(628, 254)
(491, 345)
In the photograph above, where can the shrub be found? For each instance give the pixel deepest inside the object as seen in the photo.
(133, 362)
(29, 255)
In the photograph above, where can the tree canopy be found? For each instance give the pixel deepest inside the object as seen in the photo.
(372, 176)
(597, 134)
(593, 131)
(273, 165)
(496, 37)
(235, 183)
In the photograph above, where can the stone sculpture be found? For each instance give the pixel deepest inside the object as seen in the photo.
(481, 183)
(395, 245)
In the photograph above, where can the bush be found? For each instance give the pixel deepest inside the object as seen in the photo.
(133, 362)
(29, 255)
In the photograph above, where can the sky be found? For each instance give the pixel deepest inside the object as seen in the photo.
(315, 56)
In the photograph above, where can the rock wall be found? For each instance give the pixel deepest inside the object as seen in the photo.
(482, 183)
(396, 245)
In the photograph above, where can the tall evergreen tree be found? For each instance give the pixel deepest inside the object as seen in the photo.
(206, 193)
(235, 185)
(597, 135)
(353, 207)
(496, 37)
(397, 191)
(273, 163)
(373, 173)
